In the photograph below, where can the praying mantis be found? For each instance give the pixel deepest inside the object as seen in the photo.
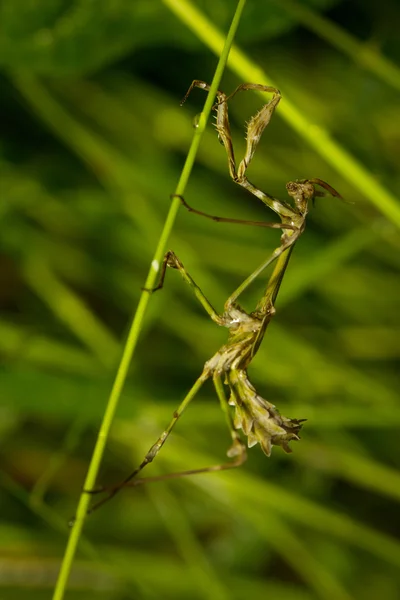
(260, 421)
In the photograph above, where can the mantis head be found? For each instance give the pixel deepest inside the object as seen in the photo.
(303, 190)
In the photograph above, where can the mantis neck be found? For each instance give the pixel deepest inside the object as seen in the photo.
(268, 300)
(265, 307)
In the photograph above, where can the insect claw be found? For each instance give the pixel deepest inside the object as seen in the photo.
(326, 186)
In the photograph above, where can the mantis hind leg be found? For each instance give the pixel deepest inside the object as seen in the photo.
(237, 451)
(152, 452)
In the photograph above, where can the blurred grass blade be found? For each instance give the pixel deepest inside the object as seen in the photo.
(44, 512)
(22, 344)
(359, 470)
(72, 311)
(298, 555)
(69, 444)
(202, 571)
(364, 54)
(251, 495)
(331, 257)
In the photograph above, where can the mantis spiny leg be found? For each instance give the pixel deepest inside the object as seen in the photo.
(255, 128)
(291, 219)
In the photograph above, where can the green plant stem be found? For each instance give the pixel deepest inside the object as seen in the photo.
(133, 335)
(316, 136)
(367, 56)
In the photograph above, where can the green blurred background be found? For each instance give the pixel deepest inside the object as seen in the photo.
(93, 143)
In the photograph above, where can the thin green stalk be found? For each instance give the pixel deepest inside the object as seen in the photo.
(133, 335)
(317, 137)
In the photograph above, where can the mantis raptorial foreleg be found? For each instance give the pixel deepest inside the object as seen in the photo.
(255, 128)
